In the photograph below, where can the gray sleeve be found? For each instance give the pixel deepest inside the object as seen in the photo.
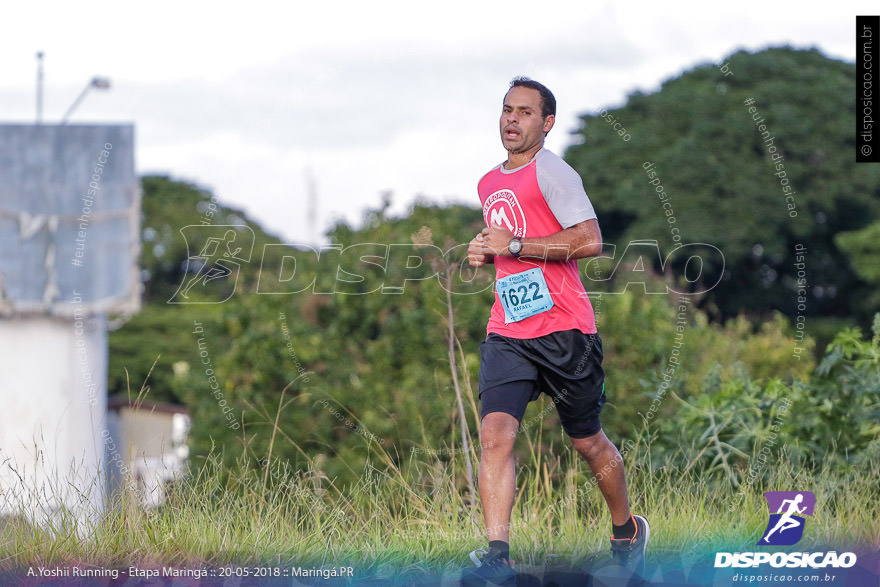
(563, 190)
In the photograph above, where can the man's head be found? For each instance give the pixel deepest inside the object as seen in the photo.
(548, 100)
(528, 114)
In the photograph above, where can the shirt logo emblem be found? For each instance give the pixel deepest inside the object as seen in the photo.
(503, 208)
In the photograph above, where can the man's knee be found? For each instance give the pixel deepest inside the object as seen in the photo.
(497, 432)
(591, 446)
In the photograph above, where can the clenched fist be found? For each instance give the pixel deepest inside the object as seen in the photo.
(478, 254)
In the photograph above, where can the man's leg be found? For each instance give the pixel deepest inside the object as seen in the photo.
(507, 383)
(629, 533)
(497, 476)
(607, 466)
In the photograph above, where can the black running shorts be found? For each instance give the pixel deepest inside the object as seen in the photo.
(566, 365)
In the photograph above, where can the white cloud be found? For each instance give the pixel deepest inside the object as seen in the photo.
(371, 96)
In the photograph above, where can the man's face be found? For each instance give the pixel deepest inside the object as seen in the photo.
(522, 126)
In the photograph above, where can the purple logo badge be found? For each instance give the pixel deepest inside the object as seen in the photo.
(787, 511)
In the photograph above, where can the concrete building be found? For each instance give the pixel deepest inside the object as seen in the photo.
(69, 246)
(146, 447)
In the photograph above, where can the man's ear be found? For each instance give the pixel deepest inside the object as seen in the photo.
(549, 122)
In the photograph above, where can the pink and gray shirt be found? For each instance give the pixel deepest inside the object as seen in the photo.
(539, 199)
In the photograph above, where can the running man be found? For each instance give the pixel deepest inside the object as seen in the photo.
(541, 335)
(786, 521)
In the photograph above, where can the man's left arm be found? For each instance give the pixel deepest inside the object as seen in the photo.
(575, 242)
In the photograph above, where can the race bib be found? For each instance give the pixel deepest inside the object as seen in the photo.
(523, 294)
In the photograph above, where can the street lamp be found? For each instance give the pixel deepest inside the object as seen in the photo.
(101, 83)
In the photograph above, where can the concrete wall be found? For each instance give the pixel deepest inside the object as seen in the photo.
(52, 418)
(69, 246)
(69, 219)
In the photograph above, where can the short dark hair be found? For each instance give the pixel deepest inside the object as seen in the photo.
(548, 101)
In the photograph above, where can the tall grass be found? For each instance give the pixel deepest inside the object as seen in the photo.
(414, 514)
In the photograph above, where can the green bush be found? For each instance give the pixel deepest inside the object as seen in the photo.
(735, 427)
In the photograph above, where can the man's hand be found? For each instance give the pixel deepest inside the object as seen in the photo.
(496, 239)
(477, 253)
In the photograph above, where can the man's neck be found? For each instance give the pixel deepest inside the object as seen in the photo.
(515, 160)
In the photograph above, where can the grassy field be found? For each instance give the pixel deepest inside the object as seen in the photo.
(416, 515)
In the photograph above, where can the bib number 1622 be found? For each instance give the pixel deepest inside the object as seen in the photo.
(522, 294)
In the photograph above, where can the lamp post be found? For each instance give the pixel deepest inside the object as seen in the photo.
(101, 83)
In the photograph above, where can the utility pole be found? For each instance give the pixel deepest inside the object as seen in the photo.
(312, 205)
(39, 87)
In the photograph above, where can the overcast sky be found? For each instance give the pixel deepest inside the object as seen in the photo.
(368, 96)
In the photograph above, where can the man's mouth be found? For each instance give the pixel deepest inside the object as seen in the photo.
(511, 132)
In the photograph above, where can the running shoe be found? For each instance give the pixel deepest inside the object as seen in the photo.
(492, 567)
(630, 552)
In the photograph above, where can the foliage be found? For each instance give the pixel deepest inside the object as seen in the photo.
(363, 364)
(370, 362)
(373, 365)
(653, 347)
(714, 166)
(161, 330)
(736, 426)
(860, 248)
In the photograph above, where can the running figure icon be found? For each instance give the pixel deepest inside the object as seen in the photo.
(786, 521)
(218, 269)
(222, 251)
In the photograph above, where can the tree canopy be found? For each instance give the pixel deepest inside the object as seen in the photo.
(753, 191)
